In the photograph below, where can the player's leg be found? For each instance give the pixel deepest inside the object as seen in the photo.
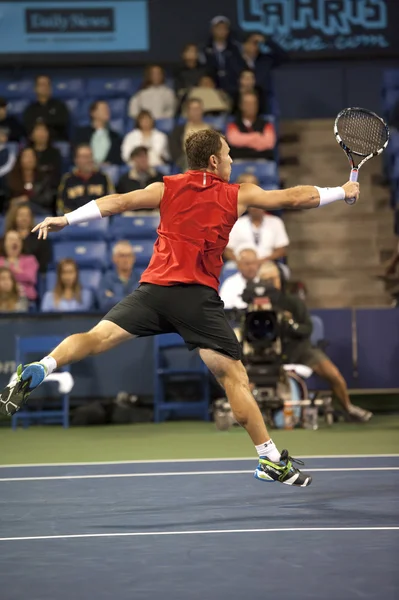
(232, 376)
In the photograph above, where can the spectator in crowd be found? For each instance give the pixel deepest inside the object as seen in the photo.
(146, 135)
(177, 139)
(155, 96)
(26, 184)
(257, 228)
(49, 161)
(68, 294)
(122, 280)
(84, 183)
(11, 129)
(23, 267)
(48, 110)
(246, 85)
(220, 51)
(10, 297)
(140, 175)
(233, 287)
(250, 136)
(8, 156)
(190, 72)
(214, 101)
(20, 219)
(105, 143)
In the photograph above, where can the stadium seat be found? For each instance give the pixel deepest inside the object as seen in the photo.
(117, 107)
(118, 125)
(134, 227)
(64, 149)
(29, 349)
(165, 125)
(68, 88)
(93, 231)
(109, 87)
(390, 99)
(390, 79)
(317, 336)
(88, 255)
(112, 171)
(13, 147)
(73, 105)
(164, 347)
(17, 107)
(143, 250)
(219, 122)
(23, 88)
(164, 169)
(265, 170)
(2, 223)
(89, 278)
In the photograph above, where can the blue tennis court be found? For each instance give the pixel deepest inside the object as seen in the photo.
(199, 529)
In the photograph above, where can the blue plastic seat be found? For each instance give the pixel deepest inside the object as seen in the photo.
(89, 278)
(218, 122)
(17, 88)
(88, 255)
(17, 106)
(112, 171)
(390, 79)
(317, 336)
(264, 170)
(118, 125)
(164, 346)
(73, 105)
(165, 125)
(390, 100)
(64, 87)
(86, 232)
(143, 250)
(134, 227)
(117, 106)
(29, 349)
(103, 87)
(64, 149)
(229, 269)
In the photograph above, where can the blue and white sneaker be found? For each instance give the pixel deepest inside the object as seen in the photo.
(283, 471)
(17, 392)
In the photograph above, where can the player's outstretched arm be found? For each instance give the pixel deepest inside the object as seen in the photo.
(302, 196)
(106, 206)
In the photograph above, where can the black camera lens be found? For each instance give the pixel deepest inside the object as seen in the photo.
(261, 326)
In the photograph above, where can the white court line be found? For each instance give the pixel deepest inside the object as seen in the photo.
(183, 460)
(199, 532)
(181, 473)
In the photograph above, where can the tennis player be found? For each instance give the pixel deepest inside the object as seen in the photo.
(178, 291)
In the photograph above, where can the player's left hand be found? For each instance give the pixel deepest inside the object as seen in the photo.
(49, 224)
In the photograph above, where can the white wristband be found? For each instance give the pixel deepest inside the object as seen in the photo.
(328, 195)
(88, 212)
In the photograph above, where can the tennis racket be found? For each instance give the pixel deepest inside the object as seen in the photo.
(363, 133)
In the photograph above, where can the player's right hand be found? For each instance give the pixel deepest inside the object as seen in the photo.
(352, 190)
(50, 224)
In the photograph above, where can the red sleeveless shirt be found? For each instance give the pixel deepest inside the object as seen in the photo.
(198, 210)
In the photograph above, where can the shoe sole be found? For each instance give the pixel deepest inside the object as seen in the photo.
(262, 476)
(12, 398)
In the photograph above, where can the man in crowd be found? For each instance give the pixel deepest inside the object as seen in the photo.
(220, 50)
(251, 137)
(140, 175)
(48, 110)
(11, 129)
(177, 139)
(266, 232)
(122, 280)
(105, 143)
(84, 183)
(297, 324)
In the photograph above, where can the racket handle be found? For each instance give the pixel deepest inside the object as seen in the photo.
(352, 177)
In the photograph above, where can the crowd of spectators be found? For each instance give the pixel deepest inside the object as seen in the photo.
(223, 78)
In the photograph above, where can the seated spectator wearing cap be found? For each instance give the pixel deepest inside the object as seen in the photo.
(84, 183)
(177, 138)
(122, 280)
(258, 229)
(155, 96)
(26, 184)
(11, 130)
(251, 137)
(140, 175)
(20, 219)
(247, 85)
(68, 294)
(49, 163)
(220, 50)
(105, 143)
(48, 110)
(145, 134)
(23, 267)
(190, 71)
(214, 101)
(11, 299)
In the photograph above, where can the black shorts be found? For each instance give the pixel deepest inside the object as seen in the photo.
(194, 311)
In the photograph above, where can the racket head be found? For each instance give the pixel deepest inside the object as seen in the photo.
(361, 132)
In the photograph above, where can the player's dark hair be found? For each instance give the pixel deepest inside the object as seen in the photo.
(200, 146)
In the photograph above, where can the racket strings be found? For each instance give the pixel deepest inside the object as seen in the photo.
(362, 132)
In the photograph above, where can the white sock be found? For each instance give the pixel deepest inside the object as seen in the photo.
(49, 363)
(269, 450)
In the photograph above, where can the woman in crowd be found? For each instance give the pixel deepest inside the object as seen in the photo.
(67, 295)
(20, 219)
(23, 267)
(214, 101)
(190, 72)
(146, 135)
(155, 96)
(26, 184)
(48, 158)
(247, 83)
(10, 298)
